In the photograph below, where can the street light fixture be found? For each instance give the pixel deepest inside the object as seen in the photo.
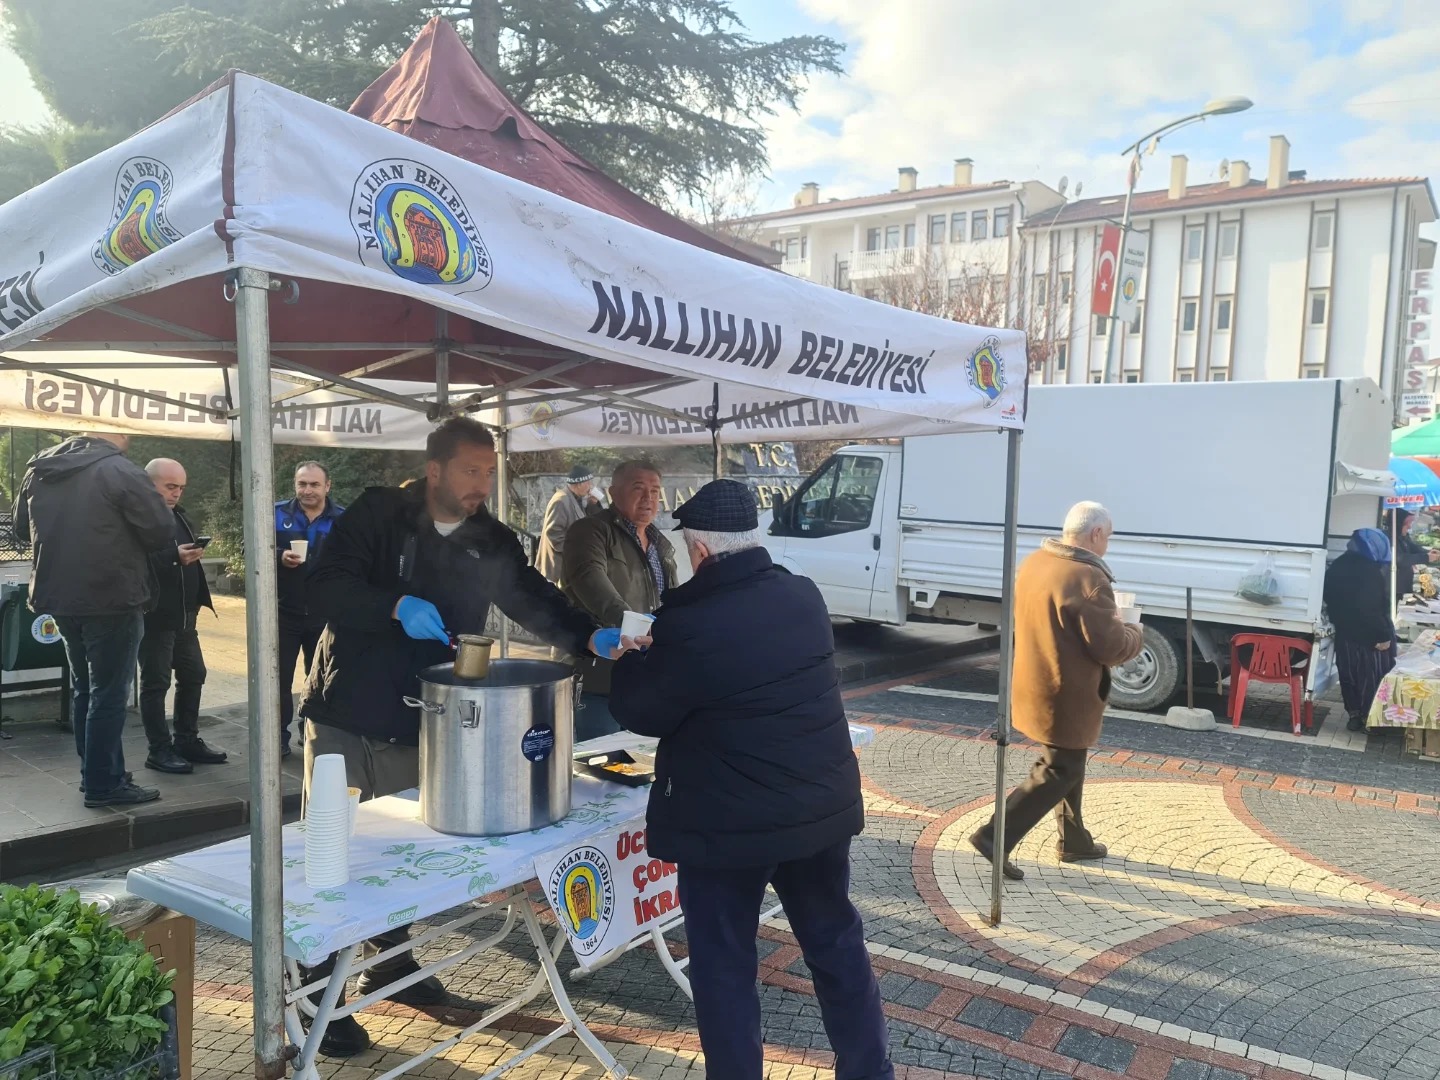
(1218, 107)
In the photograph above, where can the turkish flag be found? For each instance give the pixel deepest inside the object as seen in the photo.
(1102, 296)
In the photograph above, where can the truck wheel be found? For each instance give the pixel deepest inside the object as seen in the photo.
(1151, 679)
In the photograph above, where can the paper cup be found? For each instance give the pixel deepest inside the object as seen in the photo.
(633, 624)
(301, 548)
(328, 785)
(1130, 614)
(1124, 600)
(354, 807)
(327, 847)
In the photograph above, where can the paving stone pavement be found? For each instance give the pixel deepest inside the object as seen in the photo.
(1270, 909)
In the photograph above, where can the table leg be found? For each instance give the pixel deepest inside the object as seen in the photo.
(309, 1044)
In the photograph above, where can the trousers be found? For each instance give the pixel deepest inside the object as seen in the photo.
(722, 915)
(101, 651)
(1057, 782)
(295, 639)
(161, 653)
(377, 768)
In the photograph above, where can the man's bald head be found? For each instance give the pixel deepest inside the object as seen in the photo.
(168, 475)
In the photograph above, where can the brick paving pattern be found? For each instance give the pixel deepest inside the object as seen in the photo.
(1269, 910)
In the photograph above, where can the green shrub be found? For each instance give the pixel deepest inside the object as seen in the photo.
(70, 980)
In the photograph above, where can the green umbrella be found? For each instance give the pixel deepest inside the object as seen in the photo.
(1423, 440)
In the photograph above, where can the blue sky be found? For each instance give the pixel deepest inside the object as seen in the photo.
(1054, 88)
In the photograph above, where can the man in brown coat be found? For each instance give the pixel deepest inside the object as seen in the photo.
(1068, 635)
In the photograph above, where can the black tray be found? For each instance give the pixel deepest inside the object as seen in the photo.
(595, 765)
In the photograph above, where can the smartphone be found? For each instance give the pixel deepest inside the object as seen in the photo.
(202, 541)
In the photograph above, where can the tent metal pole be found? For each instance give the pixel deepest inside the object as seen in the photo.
(442, 359)
(262, 640)
(1007, 661)
(502, 504)
(715, 431)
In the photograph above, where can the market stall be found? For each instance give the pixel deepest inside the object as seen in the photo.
(1409, 696)
(256, 227)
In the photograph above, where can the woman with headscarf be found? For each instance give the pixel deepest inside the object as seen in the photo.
(1357, 599)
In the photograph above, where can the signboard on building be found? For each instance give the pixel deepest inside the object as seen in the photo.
(1132, 266)
(1417, 397)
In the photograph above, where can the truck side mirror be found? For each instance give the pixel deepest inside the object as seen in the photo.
(777, 512)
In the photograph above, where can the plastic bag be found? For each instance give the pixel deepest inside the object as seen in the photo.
(1260, 585)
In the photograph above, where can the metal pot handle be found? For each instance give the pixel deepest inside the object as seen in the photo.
(428, 706)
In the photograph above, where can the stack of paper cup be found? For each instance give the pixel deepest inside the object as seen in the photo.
(633, 624)
(327, 824)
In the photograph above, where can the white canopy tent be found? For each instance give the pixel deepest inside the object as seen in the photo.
(347, 251)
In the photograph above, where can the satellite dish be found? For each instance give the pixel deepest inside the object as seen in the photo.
(1225, 168)
(1064, 183)
(1079, 187)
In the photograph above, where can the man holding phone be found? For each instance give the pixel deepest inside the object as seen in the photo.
(172, 643)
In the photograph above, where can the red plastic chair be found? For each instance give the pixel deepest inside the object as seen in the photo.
(1272, 660)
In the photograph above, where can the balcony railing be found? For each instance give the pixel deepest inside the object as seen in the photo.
(796, 267)
(881, 262)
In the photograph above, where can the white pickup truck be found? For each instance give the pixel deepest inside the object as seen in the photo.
(1204, 481)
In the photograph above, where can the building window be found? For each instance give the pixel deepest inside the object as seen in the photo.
(1000, 289)
(1132, 378)
(1042, 283)
(1189, 315)
(1319, 307)
(1002, 221)
(1062, 356)
(842, 275)
(1102, 323)
(980, 225)
(1139, 320)
(957, 227)
(1185, 376)
(1065, 285)
(1194, 243)
(1220, 375)
(1314, 372)
(1224, 312)
(1229, 239)
(910, 235)
(953, 286)
(872, 239)
(794, 248)
(1322, 233)
(937, 228)
(892, 237)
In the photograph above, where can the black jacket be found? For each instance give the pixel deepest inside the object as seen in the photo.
(755, 765)
(93, 517)
(290, 582)
(181, 590)
(365, 662)
(1357, 599)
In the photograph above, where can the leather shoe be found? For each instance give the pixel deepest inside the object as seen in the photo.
(1355, 723)
(195, 750)
(986, 847)
(427, 992)
(167, 760)
(1097, 851)
(344, 1037)
(129, 777)
(125, 795)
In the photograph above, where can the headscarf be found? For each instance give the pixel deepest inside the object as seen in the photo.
(1372, 544)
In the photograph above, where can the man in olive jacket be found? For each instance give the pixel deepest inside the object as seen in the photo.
(1068, 635)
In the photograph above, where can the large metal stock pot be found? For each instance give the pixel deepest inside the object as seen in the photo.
(495, 753)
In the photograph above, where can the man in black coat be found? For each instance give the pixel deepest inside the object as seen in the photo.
(172, 641)
(404, 568)
(755, 784)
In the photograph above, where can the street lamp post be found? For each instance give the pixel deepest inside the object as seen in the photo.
(1218, 107)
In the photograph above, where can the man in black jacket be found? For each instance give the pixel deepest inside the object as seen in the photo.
(402, 570)
(94, 518)
(755, 784)
(172, 642)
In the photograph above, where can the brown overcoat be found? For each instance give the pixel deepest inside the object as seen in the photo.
(1068, 634)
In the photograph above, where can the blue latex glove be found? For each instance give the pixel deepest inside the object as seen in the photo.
(421, 620)
(606, 641)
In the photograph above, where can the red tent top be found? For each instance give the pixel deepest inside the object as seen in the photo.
(438, 95)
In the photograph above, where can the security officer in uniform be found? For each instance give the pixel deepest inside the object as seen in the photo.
(756, 784)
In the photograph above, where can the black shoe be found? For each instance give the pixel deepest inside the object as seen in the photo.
(343, 1038)
(127, 794)
(1096, 852)
(195, 750)
(1355, 723)
(986, 847)
(167, 760)
(285, 750)
(423, 994)
(129, 777)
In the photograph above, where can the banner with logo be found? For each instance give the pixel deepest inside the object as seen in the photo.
(1132, 266)
(607, 891)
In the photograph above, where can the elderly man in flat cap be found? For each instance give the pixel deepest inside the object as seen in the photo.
(755, 784)
(574, 500)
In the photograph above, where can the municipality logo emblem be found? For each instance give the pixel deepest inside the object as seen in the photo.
(542, 418)
(412, 222)
(985, 371)
(138, 227)
(580, 888)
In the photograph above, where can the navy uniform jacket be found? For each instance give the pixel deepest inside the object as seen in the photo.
(292, 524)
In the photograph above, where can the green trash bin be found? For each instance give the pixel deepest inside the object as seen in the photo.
(31, 642)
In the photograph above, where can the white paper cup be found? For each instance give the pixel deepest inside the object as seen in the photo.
(354, 807)
(328, 785)
(1130, 614)
(301, 548)
(1124, 600)
(327, 847)
(633, 624)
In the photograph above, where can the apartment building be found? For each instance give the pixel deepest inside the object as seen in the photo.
(1280, 278)
(919, 246)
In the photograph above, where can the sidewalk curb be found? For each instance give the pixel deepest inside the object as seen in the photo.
(159, 824)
